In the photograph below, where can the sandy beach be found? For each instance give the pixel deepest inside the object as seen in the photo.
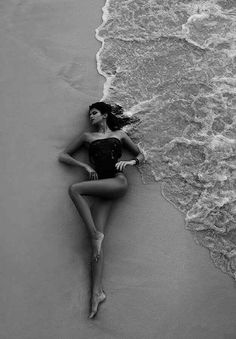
(159, 282)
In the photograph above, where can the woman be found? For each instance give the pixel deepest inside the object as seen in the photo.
(106, 180)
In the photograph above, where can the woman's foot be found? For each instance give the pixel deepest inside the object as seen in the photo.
(97, 245)
(97, 299)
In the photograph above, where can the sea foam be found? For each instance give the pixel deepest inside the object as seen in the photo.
(172, 64)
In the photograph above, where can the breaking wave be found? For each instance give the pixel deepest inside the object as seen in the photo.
(172, 64)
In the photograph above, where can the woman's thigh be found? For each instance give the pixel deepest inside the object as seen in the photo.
(110, 188)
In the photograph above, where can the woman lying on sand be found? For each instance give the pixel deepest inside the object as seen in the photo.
(106, 180)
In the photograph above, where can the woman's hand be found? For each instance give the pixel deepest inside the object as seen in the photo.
(120, 165)
(92, 173)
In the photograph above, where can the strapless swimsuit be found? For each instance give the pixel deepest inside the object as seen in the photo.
(104, 154)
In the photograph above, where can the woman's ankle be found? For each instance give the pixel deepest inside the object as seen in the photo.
(97, 291)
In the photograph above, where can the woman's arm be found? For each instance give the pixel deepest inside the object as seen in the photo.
(66, 155)
(134, 149)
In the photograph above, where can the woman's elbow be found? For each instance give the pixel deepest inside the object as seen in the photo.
(61, 157)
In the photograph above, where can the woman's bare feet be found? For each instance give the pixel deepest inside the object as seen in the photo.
(97, 299)
(97, 245)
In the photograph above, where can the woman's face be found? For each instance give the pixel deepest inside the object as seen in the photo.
(95, 116)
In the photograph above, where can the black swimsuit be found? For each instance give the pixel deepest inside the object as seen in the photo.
(104, 154)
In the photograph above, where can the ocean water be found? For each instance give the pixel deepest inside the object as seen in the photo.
(173, 64)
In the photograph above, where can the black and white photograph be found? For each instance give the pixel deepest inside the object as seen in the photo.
(118, 169)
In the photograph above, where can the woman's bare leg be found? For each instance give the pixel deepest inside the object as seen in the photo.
(111, 188)
(100, 212)
(108, 189)
(83, 209)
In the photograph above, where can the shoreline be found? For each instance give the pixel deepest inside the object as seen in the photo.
(107, 79)
(159, 283)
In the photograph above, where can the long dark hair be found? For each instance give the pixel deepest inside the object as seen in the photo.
(115, 115)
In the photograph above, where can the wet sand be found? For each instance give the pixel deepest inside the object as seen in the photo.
(159, 283)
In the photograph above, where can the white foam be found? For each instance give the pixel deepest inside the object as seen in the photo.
(108, 81)
(195, 165)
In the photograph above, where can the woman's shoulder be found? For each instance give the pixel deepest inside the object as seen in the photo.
(88, 136)
(119, 133)
(123, 135)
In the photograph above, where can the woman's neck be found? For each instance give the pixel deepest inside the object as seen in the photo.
(103, 128)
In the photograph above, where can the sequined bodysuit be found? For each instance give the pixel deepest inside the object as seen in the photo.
(104, 154)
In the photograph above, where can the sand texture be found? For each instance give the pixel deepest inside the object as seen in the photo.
(159, 283)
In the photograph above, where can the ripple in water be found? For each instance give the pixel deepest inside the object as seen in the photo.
(173, 66)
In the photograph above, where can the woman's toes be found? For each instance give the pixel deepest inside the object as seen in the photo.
(91, 315)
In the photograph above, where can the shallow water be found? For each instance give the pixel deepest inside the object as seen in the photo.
(173, 66)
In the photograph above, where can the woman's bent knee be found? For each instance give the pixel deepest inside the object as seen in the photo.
(123, 184)
(123, 181)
